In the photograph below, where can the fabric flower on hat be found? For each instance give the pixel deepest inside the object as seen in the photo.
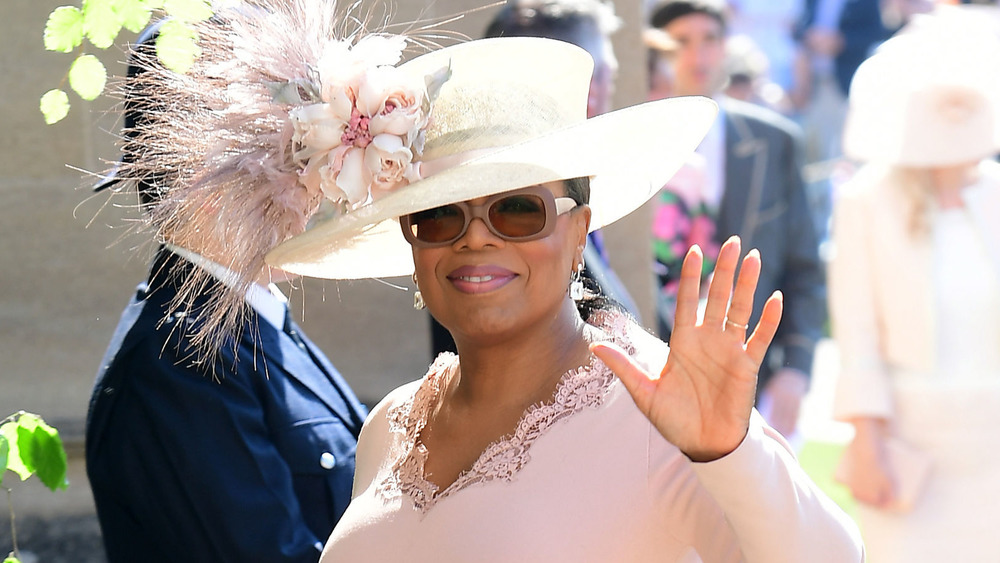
(358, 137)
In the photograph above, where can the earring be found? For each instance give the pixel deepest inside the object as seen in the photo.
(418, 298)
(576, 283)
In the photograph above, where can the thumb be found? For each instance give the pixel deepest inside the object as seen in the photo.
(639, 383)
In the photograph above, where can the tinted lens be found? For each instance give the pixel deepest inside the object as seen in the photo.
(439, 224)
(518, 215)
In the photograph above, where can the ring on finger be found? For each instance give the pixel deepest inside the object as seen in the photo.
(736, 324)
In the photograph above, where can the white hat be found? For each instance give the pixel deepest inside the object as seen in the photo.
(927, 97)
(512, 114)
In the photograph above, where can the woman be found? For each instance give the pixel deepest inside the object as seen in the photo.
(915, 294)
(526, 446)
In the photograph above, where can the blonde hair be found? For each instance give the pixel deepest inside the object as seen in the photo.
(917, 187)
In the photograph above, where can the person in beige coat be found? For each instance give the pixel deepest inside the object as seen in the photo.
(915, 298)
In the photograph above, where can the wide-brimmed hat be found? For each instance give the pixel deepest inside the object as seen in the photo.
(928, 96)
(298, 117)
(511, 114)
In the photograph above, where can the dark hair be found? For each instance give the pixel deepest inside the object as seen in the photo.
(670, 10)
(594, 300)
(558, 19)
(578, 189)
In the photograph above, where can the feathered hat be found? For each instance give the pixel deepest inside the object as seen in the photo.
(512, 114)
(298, 126)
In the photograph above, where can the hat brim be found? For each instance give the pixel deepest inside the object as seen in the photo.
(629, 154)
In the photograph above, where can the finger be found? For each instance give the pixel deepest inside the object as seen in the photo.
(764, 332)
(639, 383)
(722, 282)
(689, 289)
(739, 311)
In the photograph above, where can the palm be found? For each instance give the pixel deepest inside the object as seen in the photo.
(701, 401)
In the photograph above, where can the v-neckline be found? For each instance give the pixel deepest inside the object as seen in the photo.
(579, 388)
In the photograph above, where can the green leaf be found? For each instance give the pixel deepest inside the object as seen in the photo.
(100, 23)
(46, 455)
(64, 29)
(133, 14)
(12, 560)
(188, 10)
(87, 76)
(9, 431)
(54, 105)
(177, 46)
(4, 448)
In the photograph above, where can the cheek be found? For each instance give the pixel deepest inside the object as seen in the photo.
(551, 260)
(424, 261)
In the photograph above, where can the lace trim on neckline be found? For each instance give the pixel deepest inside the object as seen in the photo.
(579, 388)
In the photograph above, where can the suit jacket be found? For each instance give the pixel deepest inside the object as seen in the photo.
(765, 203)
(253, 464)
(881, 293)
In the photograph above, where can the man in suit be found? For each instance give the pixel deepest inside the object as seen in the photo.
(246, 456)
(753, 182)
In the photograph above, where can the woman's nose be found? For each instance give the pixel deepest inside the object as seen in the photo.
(478, 235)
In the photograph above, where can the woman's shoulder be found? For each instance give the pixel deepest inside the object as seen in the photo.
(404, 396)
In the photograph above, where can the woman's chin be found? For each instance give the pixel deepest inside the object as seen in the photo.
(489, 327)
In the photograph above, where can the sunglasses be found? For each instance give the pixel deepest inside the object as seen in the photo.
(518, 216)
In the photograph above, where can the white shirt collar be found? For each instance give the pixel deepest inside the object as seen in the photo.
(269, 302)
(713, 148)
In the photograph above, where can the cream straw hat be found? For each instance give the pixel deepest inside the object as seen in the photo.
(512, 114)
(298, 119)
(928, 96)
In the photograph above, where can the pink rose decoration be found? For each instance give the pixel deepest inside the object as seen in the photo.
(389, 161)
(365, 123)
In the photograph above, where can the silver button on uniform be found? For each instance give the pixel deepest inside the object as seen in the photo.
(327, 461)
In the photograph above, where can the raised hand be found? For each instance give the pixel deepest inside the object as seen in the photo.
(702, 399)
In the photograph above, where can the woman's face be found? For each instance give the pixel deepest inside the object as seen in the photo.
(482, 286)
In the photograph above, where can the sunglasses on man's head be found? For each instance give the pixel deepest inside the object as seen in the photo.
(517, 216)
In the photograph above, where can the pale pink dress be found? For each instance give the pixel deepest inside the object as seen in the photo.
(584, 478)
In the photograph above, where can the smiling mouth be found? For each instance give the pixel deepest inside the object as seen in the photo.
(471, 281)
(476, 279)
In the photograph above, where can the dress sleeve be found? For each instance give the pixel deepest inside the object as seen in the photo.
(863, 386)
(374, 441)
(772, 506)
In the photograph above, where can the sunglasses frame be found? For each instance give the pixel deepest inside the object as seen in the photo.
(553, 206)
